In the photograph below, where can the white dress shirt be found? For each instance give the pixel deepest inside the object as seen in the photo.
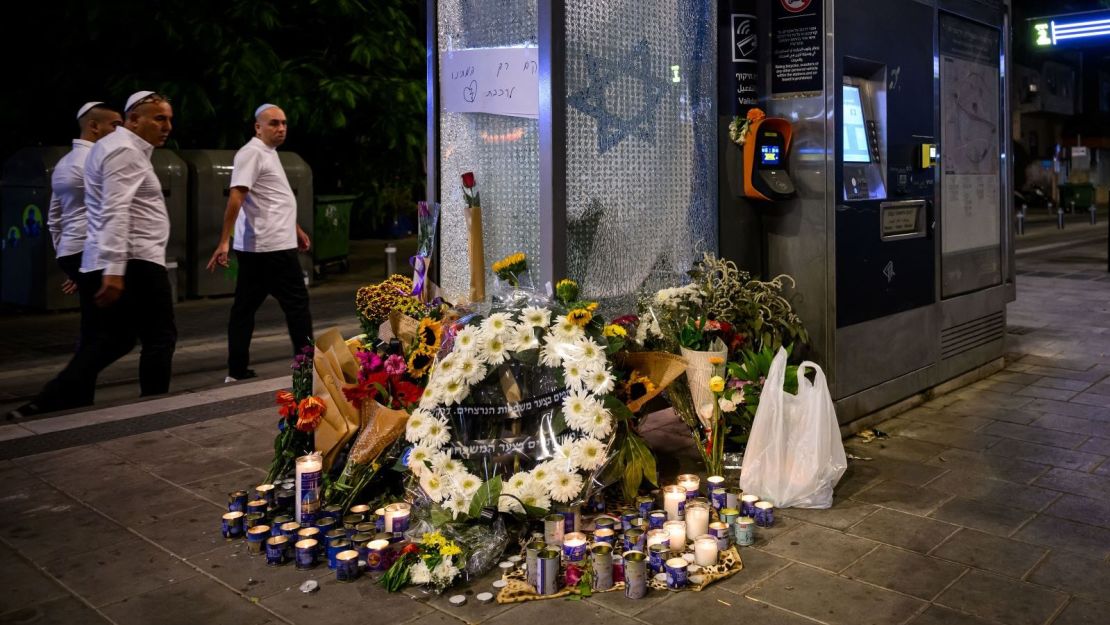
(267, 220)
(127, 214)
(66, 216)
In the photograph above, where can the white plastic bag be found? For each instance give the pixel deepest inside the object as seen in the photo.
(794, 456)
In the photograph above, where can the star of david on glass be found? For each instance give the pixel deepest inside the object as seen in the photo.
(635, 64)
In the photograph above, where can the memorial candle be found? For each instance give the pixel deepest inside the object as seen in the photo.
(657, 537)
(705, 550)
(397, 518)
(309, 471)
(691, 483)
(697, 520)
(676, 530)
(674, 501)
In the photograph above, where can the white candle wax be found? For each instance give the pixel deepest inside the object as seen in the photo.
(705, 550)
(309, 470)
(691, 483)
(657, 537)
(697, 520)
(674, 500)
(677, 532)
(394, 511)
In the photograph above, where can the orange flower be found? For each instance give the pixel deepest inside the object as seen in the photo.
(309, 412)
(755, 114)
(287, 403)
(716, 360)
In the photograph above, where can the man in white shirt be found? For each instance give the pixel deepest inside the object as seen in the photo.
(67, 222)
(262, 211)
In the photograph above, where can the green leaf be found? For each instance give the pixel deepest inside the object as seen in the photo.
(487, 494)
(535, 512)
(528, 356)
(615, 345)
(440, 517)
(559, 422)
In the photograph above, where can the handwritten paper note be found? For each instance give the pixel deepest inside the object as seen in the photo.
(500, 81)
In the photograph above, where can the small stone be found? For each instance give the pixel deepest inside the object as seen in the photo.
(500, 583)
(310, 586)
(484, 597)
(514, 559)
(689, 557)
(458, 600)
(505, 566)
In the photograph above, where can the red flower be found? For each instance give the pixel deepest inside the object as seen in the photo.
(468, 180)
(287, 403)
(410, 548)
(309, 412)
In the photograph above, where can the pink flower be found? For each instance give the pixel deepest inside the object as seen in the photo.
(394, 365)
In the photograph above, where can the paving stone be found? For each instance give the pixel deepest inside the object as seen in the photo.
(1082, 509)
(1023, 379)
(971, 486)
(1000, 555)
(896, 448)
(1077, 425)
(150, 447)
(24, 584)
(265, 419)
(758, 565)
(62, 610)
(44, 532)
(472, 612)
(249, 574)
(843, 514)
(112, 573)
(715, 607)
(1044, 392)
(1055, 438)
(938, 615)
(63, 460)
(148, 499)
(433, 618)
(832, 599)
(783, 525)
(1067, 535)
(993, 413)
(617, 602)
(205, 431)
(998, 386)
(820, 546)
(945, 435)
(1075, 574)
(188, 532)
(903, 530)
(1096, 445)
(191, 465)
(905, 571)
(1062, 383)
(1076, 482)
(217, 488)
(1055, 372)
(1002, 600)
(341, 602)
(903, 497)
(1072, 364)
(992, 466)
(1082, 612)
(1070, 409)
(991, 398)
(240, 445)
(556, 611)
(981, 515)
(195, 600)
(1044, 454)
(946, 417)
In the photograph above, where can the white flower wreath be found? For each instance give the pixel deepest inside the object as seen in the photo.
(477, 351)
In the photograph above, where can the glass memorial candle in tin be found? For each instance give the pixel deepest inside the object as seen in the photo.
(231, 524)
(764, 513)
(676, 569)
(747, 505)
(574, 547)
(346, 566)
(674, 501)
(690, 483)
(305, 553)
(721, 531)
(256, 538)
(277, 550)
(715, 488)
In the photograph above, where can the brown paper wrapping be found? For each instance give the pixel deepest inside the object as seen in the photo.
(477, 254)
(661, 368)
(341, 419)
(383, 426)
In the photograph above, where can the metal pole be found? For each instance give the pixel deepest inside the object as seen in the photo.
(1094, 219)
(1060, 218)
(1021, 222)
(390, 260)
(552, 140)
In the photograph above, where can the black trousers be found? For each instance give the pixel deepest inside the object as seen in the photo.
(71, 266)
(144, 314)
(262, 274)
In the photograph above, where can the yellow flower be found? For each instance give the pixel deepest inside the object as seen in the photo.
(419, 361)
(716, 384)
(508, 262)
(592, 307)
(449, 549)
(429, 334)
(580, 317)
(567, 290)
(433, 539)
(637, 386)
(615, 330)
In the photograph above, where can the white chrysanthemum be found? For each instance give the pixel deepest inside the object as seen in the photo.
(522, 338)
(549, 356)
(541, 473)
(430, 397)
(419, 455)
(566, 455)
(452, 391)
(591, 351)
(450, 468)
(497, 324)
(536, 317)
(566, 330)
(471, 371)
(565, 486)
(536, 499)
(432, 483)
(576, 406)
(600, 424)
(574, 375)
(590, 453)
(568, 351)
(438, 433)
(417, 426)
(495, 350)
(457, 505)
(519, 482)
(600, 382)
(467, 483)
(420, 574)
(467, 339)
(447, 367)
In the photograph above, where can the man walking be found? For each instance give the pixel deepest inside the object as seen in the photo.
(67, 221)
(262, 211)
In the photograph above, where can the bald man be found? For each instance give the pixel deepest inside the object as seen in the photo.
(262, 212)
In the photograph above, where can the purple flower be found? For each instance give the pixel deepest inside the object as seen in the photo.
(395, 365)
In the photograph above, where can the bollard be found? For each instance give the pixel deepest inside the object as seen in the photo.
(1072, 209)
(1021, 222)
(390, 260)
(1094, 219)
(1060, 218)
(1049, 205)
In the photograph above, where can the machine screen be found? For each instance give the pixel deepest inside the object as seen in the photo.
(855, 131)
(769, 155)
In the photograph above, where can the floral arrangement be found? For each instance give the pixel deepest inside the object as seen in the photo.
(374, 302)
(739, 129)
(391, 372)
(510, 268)
(545, 350)
(431, 562)
(300, 413)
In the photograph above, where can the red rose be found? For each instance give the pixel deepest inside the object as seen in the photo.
(468, 180)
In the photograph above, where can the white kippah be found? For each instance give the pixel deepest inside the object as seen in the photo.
(86, 107)
(258, 111)
(135, 97)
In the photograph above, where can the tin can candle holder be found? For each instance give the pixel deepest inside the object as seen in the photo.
(634, 540)
(231, 524)
(697, 519)
(359, 542)
(656, 519)
(640, 524)
(720, 531)
(645, 504)
(346, 566)
(397, 518)
(728, 515)
(602, 557)
(309, 471)
(605, 522)
(256, 538)
(572, 518)
(553, 529)
(674, 502)
(764, 513)
(547, 572)
(351, 522)
(378, 516)
(251, 519)
(265, 492)
(531, 562)
(743, 533)
(367, 527)
(618, 568)
(374, 553)
(333, 535)
(605, 535)
(305, 553)
(237, 501)
(690, 483)
(676, 569)
(333, 511)
(676, 532)
(277, 550)
(705, 550)
(657, 557)
(574, 547)
(656, 537)
(732, 498)
(715, 488)
(258, 506)
(284, 498)
(627, 515)
(289, 529)
(360, 508)
(326, 524)
(635, 574)
(747, 505)
(335, 547)
(309, 532)
(277, 522)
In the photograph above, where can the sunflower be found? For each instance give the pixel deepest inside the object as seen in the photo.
(429, 334)
(615, 330)
(580, 317)
(637, 386)
(419, 361)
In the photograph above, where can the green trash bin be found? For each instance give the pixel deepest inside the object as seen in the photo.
(332, 231)
(1083, 195)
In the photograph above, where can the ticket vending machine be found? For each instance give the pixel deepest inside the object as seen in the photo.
(897, 232)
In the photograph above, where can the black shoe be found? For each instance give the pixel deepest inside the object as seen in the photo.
(26, 410)
(245, 375)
